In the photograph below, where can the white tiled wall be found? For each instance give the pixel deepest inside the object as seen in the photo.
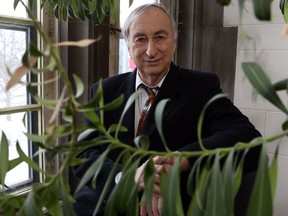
(263, 43)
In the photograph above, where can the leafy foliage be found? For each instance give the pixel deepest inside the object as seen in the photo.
(213, 187)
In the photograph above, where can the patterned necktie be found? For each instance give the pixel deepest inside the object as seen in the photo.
(151, 96)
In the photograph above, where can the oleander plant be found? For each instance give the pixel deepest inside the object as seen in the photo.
(53, 195)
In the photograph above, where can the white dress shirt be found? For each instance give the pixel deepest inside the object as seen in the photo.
(143, 97)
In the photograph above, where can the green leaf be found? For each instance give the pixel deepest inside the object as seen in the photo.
(93, 170)
(28, 160)
(107, 186)
(114, 127)
(79, 86)
(261, 199)
(4, 156)
(142, 142)
(170, 190)
(15, 4)
(25, 59)
(94, 119)
(238, 175)
(198, 202)
(124, 192)
(34, 50)
(228, 182)
(158, 120)
(114, 104)
(45, 102)
(223, 2)
(31, 207)
(128, 104)
(241, 8)
(281, 85)
(60, 131)
(273, 171)
(49, 196)
(262, 84)
(262, 9)
(215, 195)
(14, 162)
(36, 137)
(201, 118)
(285, 12)
(149, 179)
(285, 125)
(85, 134)
(66, 197)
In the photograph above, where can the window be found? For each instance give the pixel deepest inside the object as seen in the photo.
(18, 113)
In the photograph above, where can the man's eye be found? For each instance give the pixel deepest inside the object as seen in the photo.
(140, 40)
(160, 38)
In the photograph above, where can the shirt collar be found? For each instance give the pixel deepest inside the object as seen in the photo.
(139, 80)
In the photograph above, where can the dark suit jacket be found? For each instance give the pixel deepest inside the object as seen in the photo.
(188, 92)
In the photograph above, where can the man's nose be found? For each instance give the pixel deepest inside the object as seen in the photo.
(151, 50)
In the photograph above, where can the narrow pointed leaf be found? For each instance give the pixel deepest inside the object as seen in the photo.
(170, 190)
(4, 155)
(223, 2)
(149, 180)
(228, 182)
(262, 84)
(261, 199)
(93, 170)
(19, 73)
(80, 43)
(201, 119)
(31, 207)
(34, 50)
(114, 104)
(128, 104)
(36, 137)
(215, 196)
(142, 142)
(52, 121)
(65, 195)
(158, 120)
(124, 192)
(79, 86)
(281, 85)
(198, 202)
(273, 171)
(13, 163)
(107, 186)
(262, 9)
(28, 160)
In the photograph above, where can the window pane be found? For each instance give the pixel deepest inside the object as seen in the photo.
(12, 47)
(14, 129)
(125, 62)
(7, 9)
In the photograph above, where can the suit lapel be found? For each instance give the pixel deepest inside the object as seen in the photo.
(127, 88)
(170, 89)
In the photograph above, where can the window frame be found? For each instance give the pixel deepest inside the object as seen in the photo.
(32, 110)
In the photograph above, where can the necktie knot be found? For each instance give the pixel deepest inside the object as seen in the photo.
(150, 91)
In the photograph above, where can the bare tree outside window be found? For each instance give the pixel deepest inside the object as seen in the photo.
(13, 43)
(12, 47)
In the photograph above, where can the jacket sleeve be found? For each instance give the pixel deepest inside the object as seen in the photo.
(91, 155)
(224, 125)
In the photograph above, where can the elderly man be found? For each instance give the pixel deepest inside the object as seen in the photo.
(150, 34)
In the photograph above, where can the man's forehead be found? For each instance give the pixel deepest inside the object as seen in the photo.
(138, 32)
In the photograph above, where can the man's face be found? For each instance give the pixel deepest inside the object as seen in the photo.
(151, 42)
